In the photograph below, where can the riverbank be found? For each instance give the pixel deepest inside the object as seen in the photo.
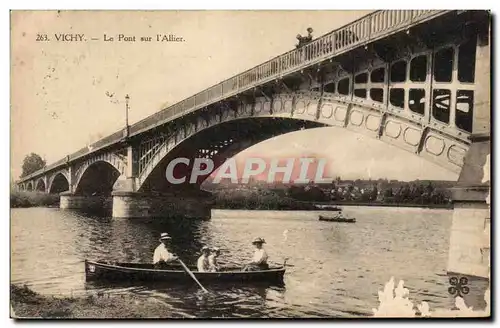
(23, 199)
(278, 200)
(27, 304)
(379, 204)
(311, 206)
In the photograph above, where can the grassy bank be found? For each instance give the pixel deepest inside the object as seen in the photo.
(29, 304)
(32, 199)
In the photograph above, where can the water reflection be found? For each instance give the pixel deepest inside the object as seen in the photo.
(222, 300)
(337, 269)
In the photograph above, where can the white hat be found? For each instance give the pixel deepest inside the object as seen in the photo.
(215, 249)
(258, 240)
(164, 236)
(205, 248)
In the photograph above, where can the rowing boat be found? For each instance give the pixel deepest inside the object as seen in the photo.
(337, 219)
(129, 272)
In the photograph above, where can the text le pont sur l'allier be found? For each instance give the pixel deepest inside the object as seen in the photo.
(77, 37)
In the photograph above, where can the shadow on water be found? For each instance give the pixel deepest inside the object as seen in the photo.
(223, 300)
(134, 240)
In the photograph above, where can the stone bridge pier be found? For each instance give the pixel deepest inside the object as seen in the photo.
(470, 243)
(129, 204)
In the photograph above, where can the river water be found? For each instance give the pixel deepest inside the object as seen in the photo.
(337, 270)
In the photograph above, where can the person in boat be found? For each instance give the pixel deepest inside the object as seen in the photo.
(212, 260)
(162, 256)
(259, 260)
(203, 264)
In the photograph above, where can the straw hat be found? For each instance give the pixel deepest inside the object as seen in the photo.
(258, 240)
(164, 236)
(205, 249)
(216, 249)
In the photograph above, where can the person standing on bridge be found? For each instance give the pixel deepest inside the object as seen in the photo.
(259, 260)
(303, 40)
(309, 36)
(162, 256)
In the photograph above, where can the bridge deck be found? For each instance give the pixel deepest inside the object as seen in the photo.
(369, 28)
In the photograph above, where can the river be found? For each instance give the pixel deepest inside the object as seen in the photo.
(337, 270)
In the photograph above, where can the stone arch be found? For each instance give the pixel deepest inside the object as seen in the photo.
(29, 186)
(40, 185)
(58, 182)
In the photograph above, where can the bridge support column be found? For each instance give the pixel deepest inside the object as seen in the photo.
(81, 202)
(469, 252)
(144, 205)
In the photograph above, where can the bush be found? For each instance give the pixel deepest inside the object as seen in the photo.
(32, 199)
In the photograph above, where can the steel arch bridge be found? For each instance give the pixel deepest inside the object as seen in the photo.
(386, 75)
(416, 79)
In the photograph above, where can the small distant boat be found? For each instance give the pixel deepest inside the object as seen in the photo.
(114, 272)
(337, 219)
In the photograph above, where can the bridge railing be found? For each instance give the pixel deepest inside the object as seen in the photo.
(361, 31)
(366, 29)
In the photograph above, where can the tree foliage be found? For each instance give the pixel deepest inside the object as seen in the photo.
(32, 163)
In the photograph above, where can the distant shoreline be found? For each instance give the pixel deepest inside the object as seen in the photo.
(27, 199)
(38, 199)
(430, 206)
(331, 206)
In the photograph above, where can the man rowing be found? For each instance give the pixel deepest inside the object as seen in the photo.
(162, 256)
(212, 260)
(259, 260)
(203, 264)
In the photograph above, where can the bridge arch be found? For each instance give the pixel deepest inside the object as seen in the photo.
(58, 183)
(40, 185)
(218, 141)
(97, 178)
(29, 186)
(291, 112)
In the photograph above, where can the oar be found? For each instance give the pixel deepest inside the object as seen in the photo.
(192, 275)
(286, 264)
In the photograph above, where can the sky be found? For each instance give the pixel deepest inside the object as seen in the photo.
(65, 95)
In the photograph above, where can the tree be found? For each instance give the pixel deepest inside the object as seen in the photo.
(388, 195)
(374, 193)
(429, 188)
(32, 163)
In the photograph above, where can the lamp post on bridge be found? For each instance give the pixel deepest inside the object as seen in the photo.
(127, 98)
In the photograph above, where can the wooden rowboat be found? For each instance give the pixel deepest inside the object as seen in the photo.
(130, 272)
(337, 219)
